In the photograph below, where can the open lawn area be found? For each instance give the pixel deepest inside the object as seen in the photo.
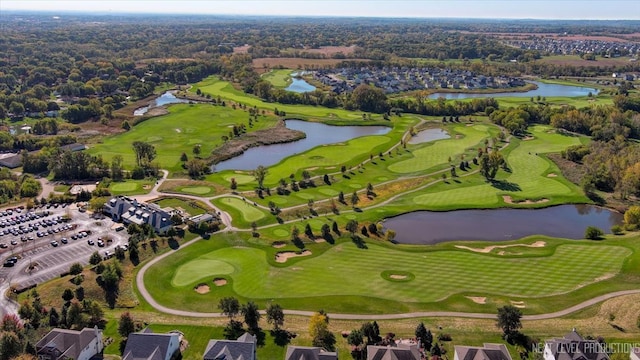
(185, 126)
(388, 279)
(280, 78)
(192, 207)
(216, 87)
(131, 187)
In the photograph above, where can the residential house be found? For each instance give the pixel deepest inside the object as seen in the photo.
(11, 160)
(486, 352)
(635, 354)
(62, 344)
(574, 347)
(244, 348)
(399, 352)
(130, 211)
(146, 345)
(309, 353)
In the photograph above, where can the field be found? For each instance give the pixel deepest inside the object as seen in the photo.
(345, 278)
(176, 133)
(263, 64)
(278, 78)
(130, 187)
(576, 60)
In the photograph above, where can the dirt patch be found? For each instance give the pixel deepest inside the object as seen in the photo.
(220, 282)
(507, 199)
(458, 136)
(241, 49)
(278, 244)
(488, 249)
(397, 277)
(319, 240)
(282, 257)
(528, 138)
(202, 289)
(146, 187)
(156, 111)
(552, 175)
(477, 299)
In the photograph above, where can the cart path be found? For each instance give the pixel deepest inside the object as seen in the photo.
(145, 294)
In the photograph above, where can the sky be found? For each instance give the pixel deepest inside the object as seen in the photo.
(510, 9)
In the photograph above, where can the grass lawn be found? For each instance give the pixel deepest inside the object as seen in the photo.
(131, 187)
(280, 78)
(319, 280)
(243, 211)
(190, 206)
(215, 87)
(176, 133)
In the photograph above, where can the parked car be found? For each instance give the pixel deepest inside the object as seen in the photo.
(90, 242)
(54, 243)
(64, 240)
(100, 243)
(3, 245)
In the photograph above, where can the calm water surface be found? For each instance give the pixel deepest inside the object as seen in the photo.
(565, 221)
(299, 85)
(543, 90)
(164, 99)
(429, 135)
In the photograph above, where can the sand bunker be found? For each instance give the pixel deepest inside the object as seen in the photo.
(398, 277)
(509, 200)
(278, 244)
(319, 240)
(552, 175)
(488, 249)
(312, 168)
(458, 136)
(202, 289)
(282, 257)
(220, 281)
(477, 299)
(518, 304)
(527, 138)
(296, 268)
(178, 131)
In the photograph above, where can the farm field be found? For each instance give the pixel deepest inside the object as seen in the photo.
(383, 276)
(185, 126)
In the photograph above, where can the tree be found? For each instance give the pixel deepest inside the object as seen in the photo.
(251, 316)
(341, 197)
(369, 98)
(10, 345)
(509, 319)
(75, 269)
(184, 158)
(145, 153)
(632, 217)
(229, 306)
(275, 316)
(259, 174)
(355, 199)
(126, 325)
(352, 226)
(196, 149)
(490, 163)
(319, 332)
(593, 233)
(424, 335)
(325, 231)
(233, 330)
(67, 295)
(117, 168)
(372, 333)
(54, 317)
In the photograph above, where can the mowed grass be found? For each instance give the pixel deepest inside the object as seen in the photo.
(237, 207)
(185, 126)
(280, 78)
(190, 206)
(343, 270)
(130, 187)
(216, 87)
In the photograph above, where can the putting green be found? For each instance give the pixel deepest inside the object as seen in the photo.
(240, 178)
(123, 187)
(280, 232)
(370, 274)
(248, 211)
(199, 269)
(197, 190)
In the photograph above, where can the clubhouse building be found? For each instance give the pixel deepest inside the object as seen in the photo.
(130, 211)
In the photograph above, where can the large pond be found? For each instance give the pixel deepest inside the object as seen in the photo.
(299, 85)
(164, 99)
(428, 135)
(565, 221)
(317, 134)
(543, 90)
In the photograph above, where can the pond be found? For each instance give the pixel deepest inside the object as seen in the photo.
(543, 90)
(299, 85)
(428, 135)
(565, 221)
(164, 99)
(317, 134)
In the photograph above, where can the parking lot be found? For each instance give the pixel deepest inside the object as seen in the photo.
(46, 241)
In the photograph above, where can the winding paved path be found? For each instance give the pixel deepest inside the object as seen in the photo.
(147, 296)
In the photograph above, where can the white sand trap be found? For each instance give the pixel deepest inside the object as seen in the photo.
(329, 167)
(220, 281)
(518, 304)
(552, 175)
(398, 277)
(528, 138)
(178, 130)
(458, 136)
(488, 249)
(278, 244)
(319, 240)
(312, 168)
(203, 289)
(477, 299)
(296, 268)
(282, 257)
(509, 200)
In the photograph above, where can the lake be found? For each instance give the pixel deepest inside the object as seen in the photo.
(164, 99)
(543, 90)
(428, 135)
(299, 85)
(317, 134)
(565, 221)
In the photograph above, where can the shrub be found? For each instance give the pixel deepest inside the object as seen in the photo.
(593, 233)
(75, 269)
(444, 337)
(616, 230)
